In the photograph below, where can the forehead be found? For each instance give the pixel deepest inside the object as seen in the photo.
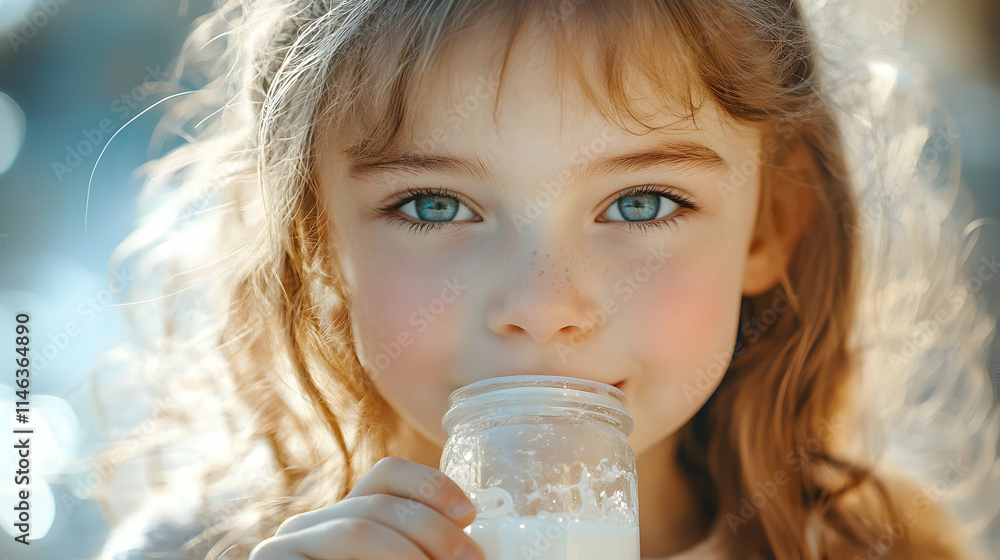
(478, 80)
(474, 87)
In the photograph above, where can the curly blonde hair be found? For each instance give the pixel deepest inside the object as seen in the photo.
(234, 257)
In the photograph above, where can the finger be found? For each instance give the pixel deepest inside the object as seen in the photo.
(436, 535)
(340, 539)
(399, 477)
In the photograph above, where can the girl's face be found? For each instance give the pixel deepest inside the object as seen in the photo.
(545, 242)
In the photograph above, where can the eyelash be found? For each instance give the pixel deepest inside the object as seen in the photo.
(401, 199)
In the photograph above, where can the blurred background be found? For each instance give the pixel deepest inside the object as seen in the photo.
(72, 73)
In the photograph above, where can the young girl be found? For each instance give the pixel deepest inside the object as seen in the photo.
(383, 201)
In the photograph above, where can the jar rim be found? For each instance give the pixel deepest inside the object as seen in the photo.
(560, 382)
(592, 393)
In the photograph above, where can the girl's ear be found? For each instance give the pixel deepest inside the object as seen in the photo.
(788, 193)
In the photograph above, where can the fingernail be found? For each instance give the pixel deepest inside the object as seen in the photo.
(461, 509)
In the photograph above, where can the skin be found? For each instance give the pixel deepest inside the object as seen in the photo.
(527, 292)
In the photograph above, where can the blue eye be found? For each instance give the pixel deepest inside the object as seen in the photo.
(644, 207)
(640, 207)
(436, 208)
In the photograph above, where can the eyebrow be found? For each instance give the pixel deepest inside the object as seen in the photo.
(416, 163)
(679, 154)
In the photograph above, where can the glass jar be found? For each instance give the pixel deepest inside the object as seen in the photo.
(546, 461)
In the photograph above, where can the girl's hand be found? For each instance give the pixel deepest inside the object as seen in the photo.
(400, 510)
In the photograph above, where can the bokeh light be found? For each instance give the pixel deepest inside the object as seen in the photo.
(12, 130)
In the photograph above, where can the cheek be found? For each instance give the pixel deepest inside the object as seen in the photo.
(688, 316)
(685, 330)
(384, 300)
(405, 321)
(691, 317)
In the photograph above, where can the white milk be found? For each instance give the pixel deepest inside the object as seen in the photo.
(540, 538)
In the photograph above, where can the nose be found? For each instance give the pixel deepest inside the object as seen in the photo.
(542, 297)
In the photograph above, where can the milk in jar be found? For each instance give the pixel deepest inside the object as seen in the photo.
(546, 462)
